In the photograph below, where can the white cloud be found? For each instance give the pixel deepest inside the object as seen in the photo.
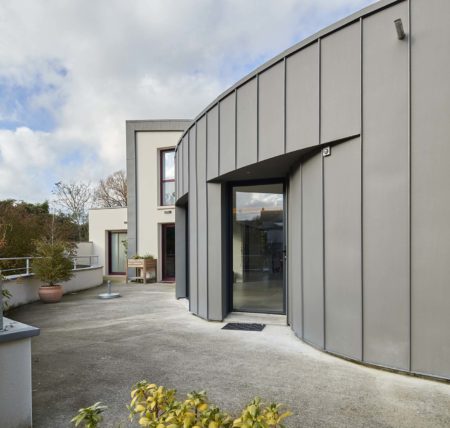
(91, 65)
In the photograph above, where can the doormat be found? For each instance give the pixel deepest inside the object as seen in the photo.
(243, 326)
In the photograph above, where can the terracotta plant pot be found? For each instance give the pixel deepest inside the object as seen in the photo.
(51, 294)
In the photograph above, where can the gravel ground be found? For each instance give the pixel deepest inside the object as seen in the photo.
(94, 350)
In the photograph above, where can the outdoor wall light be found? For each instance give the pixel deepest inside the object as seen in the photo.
(399, 27)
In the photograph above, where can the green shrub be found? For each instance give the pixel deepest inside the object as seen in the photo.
(157, 407)
(89, 416)
(53, 264)
(145, 256)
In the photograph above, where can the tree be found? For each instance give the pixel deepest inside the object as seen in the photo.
(22, 224)
(75, 199)
(112, 191)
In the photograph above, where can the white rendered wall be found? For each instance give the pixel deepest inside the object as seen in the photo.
(149, 214)
(15, 384)
(100, 222)
(24, 289)
(85, 248)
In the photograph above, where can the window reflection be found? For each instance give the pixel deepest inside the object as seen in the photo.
(167, 179)
(258, 244)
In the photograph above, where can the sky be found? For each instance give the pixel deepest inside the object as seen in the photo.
(73, 71)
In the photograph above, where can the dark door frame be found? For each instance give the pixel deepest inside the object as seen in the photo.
(164, 227)
(110, 271)
(229, 235)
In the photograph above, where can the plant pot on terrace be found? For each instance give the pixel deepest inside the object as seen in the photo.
(52, 266)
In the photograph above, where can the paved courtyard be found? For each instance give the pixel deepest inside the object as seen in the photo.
(93, 350)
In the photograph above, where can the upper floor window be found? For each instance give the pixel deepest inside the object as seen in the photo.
(167, 180)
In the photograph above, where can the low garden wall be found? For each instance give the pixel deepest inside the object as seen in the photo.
(24, 288)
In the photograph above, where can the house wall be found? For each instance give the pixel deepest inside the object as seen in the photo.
(101, 221)
(145, 140)
(15, 387)
(368, 241)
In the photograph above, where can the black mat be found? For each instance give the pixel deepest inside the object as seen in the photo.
(243, 326)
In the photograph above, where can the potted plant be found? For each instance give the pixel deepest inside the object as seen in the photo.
(143, 264)
(52, 265)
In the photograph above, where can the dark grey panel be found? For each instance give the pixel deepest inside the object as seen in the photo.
(202, 220)
(159, 124)
(179, 171)
(213, 143)
(342, 228)
(193, 229)
(180, 252)
(341, 84)
(271, 112)
(295, 251)
(385, 190)
(215, 271)
(302, 99)
(185, 167)
(430, 198)
(312, 230)
(132, 190)
(227, 121)
(246, 132)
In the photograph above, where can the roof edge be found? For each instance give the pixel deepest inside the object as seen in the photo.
(366, 11)
(158, 125)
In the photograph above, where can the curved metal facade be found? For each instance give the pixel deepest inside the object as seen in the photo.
(368, 239)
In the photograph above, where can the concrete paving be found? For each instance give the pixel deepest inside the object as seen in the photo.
(93, 350)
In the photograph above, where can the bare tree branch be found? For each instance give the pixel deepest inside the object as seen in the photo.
(112, 191)
(75, 199)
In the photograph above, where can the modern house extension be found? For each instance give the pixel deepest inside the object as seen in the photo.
(147, 225)
(318, 187)
(151, 190)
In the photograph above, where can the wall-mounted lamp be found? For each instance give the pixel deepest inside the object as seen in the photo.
(399, 27)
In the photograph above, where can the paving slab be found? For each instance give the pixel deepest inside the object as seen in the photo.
(94, 350)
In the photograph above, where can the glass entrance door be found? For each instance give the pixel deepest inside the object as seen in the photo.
(117, 253)
(258, 248)
(168, 252)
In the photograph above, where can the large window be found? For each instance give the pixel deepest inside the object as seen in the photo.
(258, 248)
(167, 180)
(117, 252)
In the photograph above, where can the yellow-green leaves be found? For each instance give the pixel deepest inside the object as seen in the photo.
(157, 407)
(255, 415)
(90, 417)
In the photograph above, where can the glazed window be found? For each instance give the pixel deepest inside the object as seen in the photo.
(167, 189)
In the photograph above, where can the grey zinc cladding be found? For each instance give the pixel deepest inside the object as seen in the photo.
(312, 252)
(246, 126)
(342, 245)
(385, 189)
(368, 237)
(430, 178)
(302, 98)
(202, 213)
(295, 280)
(227, 134)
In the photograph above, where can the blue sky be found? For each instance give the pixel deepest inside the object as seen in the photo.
(72, 72)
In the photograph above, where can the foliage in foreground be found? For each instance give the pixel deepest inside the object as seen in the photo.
(155, 406)
(89, 416)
